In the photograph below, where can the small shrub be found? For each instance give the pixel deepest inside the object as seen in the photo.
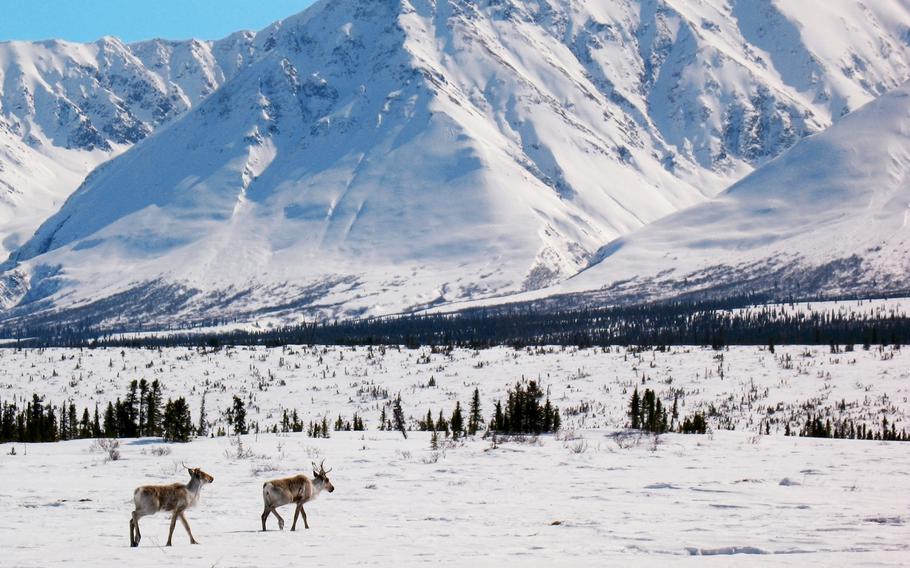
(110, 447)
(579, 446)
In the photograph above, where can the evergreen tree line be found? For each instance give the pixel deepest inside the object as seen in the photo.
(353, 425)
(523, 412)
(714, 323)
(318, 429)
(455, 424)
(139, 413)
(649, 414)
(814, 427)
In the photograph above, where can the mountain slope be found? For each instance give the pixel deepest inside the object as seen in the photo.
(379, 157)
(65, 108)
(831, 216)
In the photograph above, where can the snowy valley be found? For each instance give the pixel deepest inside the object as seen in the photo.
(593, 493)
(540, 282)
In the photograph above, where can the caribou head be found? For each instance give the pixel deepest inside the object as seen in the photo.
(320, 476)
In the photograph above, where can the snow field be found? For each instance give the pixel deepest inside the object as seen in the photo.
(800, 500)
(725, 498)
(591, 386)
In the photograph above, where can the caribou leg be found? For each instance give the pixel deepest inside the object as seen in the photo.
(296, 514)
(135, 535)
(186, 525)
(280, 519)
(170, 534)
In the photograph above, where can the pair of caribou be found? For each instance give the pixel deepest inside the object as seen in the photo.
(178, 497)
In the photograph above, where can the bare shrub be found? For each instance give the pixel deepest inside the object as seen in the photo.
(159, 451)
(578, 446)
(263, 467)
(627, 439)
(433, 457)
(655, 442)
(238, 450)
(110, 447)
(567, 435)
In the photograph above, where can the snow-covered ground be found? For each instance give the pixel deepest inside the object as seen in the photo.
(591, 386)
(804, 501)
(617, 498)
(873, 308)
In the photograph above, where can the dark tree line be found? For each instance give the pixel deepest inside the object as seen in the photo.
(40, 421)
(711, 323)
(139, 413)
(456, 423)
(814, 427)
(649, 414)
(318, 429)
(523, 412)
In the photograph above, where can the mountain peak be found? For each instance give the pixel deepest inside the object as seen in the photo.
(368, 157)
(828, 217)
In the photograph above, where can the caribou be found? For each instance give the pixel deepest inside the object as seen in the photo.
(298, 489)
(176, 498)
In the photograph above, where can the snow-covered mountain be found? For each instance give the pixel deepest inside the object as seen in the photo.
(831, 217)
(65, 108)
(374, 157)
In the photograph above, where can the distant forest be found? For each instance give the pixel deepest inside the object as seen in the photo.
(705, 323)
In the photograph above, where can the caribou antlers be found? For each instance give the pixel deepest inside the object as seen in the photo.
(320, 471)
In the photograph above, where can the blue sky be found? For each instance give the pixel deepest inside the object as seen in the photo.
(132, 20)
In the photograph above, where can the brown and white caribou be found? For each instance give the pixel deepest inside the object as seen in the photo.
(176, 498)
(298, 489)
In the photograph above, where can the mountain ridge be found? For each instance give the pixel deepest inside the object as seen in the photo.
(396, 156)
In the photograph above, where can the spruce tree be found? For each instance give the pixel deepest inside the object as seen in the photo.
(177, 422)
(85, 426)
(398, 416)
(635, 409)
(442, 425)
(325, 427)
(130, 413)
(73, 422)
(64, 426)
(203, 429)
(238, 416)
(142, 428)
(457, 422)
(110, 421)
(153, 409)
(96, 424)
(475, 418)
(498, 424)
